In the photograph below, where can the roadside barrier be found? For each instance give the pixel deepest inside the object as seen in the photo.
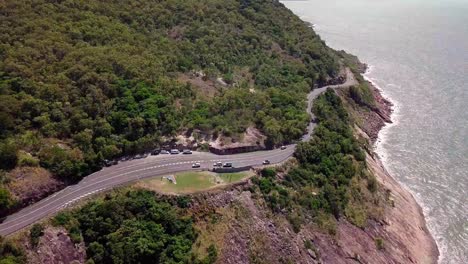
(233, 169)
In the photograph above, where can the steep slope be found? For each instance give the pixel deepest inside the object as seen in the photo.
(84, 81)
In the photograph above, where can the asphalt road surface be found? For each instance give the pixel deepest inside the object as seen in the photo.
(163, 164)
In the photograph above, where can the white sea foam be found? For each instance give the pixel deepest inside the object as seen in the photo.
(382, 138)
(381, 151)
(419, 67)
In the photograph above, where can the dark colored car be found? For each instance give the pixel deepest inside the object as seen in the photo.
(155, 152)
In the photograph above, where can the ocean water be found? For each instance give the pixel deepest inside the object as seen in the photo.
(417, 51)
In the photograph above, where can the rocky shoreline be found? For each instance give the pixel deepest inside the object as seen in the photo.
(402, 229)
(248, 228)
(405, 222)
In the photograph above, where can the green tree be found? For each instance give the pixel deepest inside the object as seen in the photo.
(8, 155)
(6, 200)
(37, 230)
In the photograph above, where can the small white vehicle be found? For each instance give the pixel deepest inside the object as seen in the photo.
(218, 164)
(196, 165)
(227, 165)
(283, 147)
(266, 162)
(175, 151)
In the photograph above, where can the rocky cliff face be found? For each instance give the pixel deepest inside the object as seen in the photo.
(244, 230)
(55, 247)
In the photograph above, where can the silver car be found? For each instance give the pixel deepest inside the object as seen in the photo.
(175, 151)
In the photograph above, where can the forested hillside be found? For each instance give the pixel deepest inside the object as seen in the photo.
(84, 81)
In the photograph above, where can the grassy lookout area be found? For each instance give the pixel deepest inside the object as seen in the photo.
(191, 182)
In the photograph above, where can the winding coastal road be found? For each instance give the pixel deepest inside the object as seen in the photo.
(152, 166)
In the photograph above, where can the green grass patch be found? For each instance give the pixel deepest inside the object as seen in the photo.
(189, 182)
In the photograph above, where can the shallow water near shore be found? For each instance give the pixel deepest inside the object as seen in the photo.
(418, 56)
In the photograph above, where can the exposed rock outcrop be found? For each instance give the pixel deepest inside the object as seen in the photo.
(247, 230)
(56, 247)
(252, 140)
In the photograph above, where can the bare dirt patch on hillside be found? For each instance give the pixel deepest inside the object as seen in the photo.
(56, 247)
(30, 184)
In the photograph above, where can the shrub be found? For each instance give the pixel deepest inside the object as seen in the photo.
(37, 230)
(8, 155)
(308, 244)
(27, 160)
(296, 222)
(268, 173)
(62, 219)
(6, 200)
(379, 243)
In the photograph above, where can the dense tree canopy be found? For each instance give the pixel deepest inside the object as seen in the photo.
(132, 227)
(83, 81)
(331, 170)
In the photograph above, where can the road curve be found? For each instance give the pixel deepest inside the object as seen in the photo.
(151, 166)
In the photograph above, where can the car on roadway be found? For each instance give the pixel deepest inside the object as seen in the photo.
(108, 163)
(196, 165)
(266, 162)
(186, 151)
(218, 164)
(139, 156)
(164, 152)
(155, 152)
(174, 151)
(227, 165)
(283, 147)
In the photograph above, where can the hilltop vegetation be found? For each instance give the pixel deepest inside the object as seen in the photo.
(84, 81)
(330, 181)
(332, 177)
(137, 229)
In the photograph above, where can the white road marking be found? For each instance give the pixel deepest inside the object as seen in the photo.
(77, 188)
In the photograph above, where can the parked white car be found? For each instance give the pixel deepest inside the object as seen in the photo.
(175, 151)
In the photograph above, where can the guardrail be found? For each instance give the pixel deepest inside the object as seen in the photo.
(233, 169)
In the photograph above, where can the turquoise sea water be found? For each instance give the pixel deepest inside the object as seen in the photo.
(418, 55)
